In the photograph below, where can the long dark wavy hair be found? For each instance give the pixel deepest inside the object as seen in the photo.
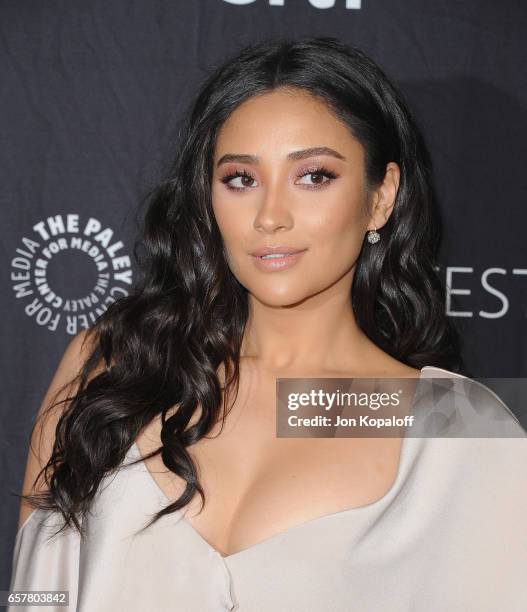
(161, 345)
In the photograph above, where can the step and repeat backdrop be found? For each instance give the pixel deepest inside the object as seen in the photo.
(92, 94)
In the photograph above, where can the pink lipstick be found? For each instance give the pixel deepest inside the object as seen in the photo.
(270, 259)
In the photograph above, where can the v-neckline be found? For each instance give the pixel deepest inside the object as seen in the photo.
(305, 524)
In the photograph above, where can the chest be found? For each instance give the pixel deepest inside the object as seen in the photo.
(257, 485)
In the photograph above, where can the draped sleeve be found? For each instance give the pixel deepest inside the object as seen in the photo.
(43, 561)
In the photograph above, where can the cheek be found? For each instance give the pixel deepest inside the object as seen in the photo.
(227, 218)
(338, 225)
(233, 223)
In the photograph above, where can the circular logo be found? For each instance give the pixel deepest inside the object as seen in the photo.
(69, 271)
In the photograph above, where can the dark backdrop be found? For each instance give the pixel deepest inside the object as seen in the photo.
(91, 96)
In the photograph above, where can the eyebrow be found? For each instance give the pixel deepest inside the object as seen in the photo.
(294, 155)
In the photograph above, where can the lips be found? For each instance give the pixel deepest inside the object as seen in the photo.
(276, 250)
(277, 259)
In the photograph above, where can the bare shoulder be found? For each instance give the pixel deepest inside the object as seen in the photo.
(375, 362)
(63, 385)
(396, 369)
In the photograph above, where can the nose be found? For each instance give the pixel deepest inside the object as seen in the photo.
(273, 212)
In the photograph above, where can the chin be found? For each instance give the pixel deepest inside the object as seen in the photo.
(277, 298)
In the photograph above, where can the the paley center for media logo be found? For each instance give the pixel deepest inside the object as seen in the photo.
(68, 271)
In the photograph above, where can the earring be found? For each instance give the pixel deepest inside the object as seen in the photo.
(373, 236)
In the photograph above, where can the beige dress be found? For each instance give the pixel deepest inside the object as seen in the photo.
(449, 535)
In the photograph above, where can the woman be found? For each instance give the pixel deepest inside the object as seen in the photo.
(303, 150)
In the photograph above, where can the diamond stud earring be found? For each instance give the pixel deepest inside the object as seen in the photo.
(373, 236)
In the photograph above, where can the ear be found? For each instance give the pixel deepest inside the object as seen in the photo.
(384, 197)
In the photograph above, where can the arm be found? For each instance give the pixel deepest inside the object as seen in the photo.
(43, 435)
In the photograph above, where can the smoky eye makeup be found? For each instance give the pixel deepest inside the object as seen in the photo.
(245, 178)
(319, 171)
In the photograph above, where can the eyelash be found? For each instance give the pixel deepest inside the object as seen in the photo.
(317, 170)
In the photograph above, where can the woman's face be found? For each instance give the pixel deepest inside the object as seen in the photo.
(312, 201)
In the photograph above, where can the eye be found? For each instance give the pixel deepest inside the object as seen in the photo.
(243, 176)
(319, 172)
